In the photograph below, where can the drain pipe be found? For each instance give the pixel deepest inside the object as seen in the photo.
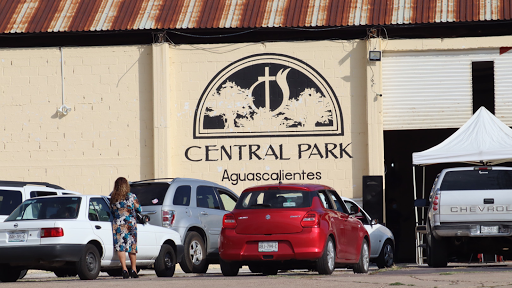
(63, 110)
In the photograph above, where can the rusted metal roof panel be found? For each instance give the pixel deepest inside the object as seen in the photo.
(33, 16)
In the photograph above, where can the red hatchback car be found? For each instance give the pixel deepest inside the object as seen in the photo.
(292, 226)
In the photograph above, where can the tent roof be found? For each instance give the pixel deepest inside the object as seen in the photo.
(483, 139)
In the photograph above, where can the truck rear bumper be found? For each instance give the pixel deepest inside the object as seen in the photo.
(490, 229)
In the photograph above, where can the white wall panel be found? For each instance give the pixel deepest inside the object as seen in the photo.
(503, 87)
(432, 89)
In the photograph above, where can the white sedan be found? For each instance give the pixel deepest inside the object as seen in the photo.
(381, 238)
(72, 235)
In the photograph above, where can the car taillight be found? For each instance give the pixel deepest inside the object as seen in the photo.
(52, 232)
(168, 217)
(310, 220)
(228, 221)
(436, 202)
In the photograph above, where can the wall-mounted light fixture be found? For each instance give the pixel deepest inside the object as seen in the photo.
(63, 110)
(374, 55)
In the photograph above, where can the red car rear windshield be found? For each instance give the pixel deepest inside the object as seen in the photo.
(274, 199)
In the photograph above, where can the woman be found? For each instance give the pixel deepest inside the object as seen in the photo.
(124, 205)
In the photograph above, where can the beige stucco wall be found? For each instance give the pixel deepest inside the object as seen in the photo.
(342, 63)
(133, 111)
(108, 132)
(120, 124)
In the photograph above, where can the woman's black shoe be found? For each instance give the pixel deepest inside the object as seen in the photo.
(134, 274)
(125, 274)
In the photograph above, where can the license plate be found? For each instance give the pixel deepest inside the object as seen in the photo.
(489, 229)
(268, 246)
(18, 237)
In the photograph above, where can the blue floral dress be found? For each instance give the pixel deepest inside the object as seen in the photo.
(124, 226)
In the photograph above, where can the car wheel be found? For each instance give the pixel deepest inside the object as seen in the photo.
(229, 268)
(194, 260)
(255, 268)
(88, 267)
(436, 252)
(386, 255)
(165, 263)
(325, 265)
(364, 259)
(9, 274)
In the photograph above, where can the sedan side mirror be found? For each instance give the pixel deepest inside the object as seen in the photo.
(375, 221)
(354, 210)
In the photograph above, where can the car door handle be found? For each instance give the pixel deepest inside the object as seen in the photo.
(97, 226)
(204, 213)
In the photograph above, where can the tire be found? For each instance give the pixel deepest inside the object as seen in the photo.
(325, 265)
(88, 267)
(364, 259)
(436, 252)
(386, 255)
(229, 268)
(165, 263)
(255, 268)
(194, 260)
(9, 274)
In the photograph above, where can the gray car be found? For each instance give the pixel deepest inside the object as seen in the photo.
(194, 208)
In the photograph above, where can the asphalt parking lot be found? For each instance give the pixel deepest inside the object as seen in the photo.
(412, 275)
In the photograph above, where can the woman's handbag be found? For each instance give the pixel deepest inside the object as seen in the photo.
(142, 218)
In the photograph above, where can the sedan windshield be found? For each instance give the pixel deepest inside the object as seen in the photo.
(47, 208)
(274, 199)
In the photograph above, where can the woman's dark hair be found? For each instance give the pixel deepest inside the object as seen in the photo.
(121, 189)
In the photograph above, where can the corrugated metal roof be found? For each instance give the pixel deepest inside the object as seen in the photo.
(29, 16)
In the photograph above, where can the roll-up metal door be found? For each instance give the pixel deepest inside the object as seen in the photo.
(503, 87)
(432, 89)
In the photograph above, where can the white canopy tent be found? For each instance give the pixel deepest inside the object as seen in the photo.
(483, 139)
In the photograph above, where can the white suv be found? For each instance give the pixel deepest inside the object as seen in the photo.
(13, 193)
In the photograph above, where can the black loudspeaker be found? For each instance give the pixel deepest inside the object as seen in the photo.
(373, 197)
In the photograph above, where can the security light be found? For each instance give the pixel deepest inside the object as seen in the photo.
(374, 55)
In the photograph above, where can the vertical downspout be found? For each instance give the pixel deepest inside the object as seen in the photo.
(63, 110)
(62, 72)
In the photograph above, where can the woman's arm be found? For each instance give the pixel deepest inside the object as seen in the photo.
(136, 204)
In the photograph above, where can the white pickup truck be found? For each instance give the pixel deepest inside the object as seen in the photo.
(470, 212)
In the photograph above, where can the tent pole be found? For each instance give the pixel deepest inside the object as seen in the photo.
(423, 193)
(423, 197)
(414, 186)
(414, 180)
(419, 255)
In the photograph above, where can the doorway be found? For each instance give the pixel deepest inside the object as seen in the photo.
(400, 217)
